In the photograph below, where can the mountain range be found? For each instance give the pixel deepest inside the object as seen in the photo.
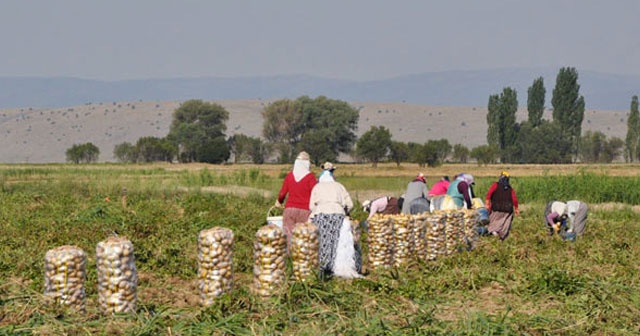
(447, 88)
(40, 118)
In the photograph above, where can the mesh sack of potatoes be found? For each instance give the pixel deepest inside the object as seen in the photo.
(471, 236)
(269, 253)
(380, 242)
(401, 241)
(454, 233)
(435, 234)
(215, 274)
(117, 275)
(64, 276)
(418, 236)
(304, 251)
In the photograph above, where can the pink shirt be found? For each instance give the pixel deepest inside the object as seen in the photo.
(377, 205)
(439, 188)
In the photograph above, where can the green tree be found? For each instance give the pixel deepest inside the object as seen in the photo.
(248, 149)
(125, 152)
(632, 139)
(535, 101)
(542, 144)
(301, 123)
(83, 153)
(152, 149)
(283, 125)
(213, 150)
(485, 154)
(501, 118)
(417, 154)
(493, 121)
(596, 148)
(568, 107)
(197, 124)
(398, 152)
(374, 145)
(460, 153)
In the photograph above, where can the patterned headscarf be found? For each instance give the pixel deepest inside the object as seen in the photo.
(504, 180)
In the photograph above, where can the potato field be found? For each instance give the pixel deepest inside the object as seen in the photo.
(180, 240)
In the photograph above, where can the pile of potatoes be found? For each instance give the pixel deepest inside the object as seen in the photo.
(401, 239)
(435, 234)
(64, 276)
(117, 276)
(453, 230)
(304, 251)
(215, 275)
(418, 235)
(470, 228)
(269, 253)
(380, 241)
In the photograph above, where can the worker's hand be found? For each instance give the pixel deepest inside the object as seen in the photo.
(278, 204)
(517, 212)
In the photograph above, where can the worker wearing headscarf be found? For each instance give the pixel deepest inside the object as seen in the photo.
(502, 203)
(461, 191)
(296, 187)
(577, 213)
(416, 196)
(329, 204)
(555, 216)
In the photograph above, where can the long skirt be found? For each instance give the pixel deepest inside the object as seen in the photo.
(337, 251)
(580, 219)
(291, 217)
(500, 223)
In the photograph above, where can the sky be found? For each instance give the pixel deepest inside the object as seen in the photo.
(342, 39)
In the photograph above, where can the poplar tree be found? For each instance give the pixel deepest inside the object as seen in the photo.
(501, 118)
(568, 107)
(535, 101)
(633, 132)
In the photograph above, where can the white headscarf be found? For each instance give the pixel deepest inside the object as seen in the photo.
(300, 169)
(326, 177)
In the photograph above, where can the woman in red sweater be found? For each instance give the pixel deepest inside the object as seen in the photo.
(501, 202)
(297, 185)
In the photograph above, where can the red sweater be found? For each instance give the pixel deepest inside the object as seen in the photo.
(493, 188)
(299, 192)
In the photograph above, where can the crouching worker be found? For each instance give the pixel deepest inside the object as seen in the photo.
(577, 213)
(383, 205)
(555, 216)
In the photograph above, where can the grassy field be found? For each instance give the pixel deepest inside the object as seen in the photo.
(530, 284)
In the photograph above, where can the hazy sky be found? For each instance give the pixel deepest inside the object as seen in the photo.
(361, 40)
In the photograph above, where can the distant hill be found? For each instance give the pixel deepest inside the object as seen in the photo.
(448, 88)
(42, 135)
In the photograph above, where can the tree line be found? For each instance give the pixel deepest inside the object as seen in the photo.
(326, 128)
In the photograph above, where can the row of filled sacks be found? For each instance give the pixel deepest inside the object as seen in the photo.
(394, 239)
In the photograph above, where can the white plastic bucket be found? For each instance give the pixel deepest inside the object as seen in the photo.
(276, 220)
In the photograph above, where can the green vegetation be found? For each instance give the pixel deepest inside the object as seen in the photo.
(632, 140)
(83, 153)
(531, 284)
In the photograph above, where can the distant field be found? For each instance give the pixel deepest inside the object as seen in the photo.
(530, 284)
(33, 135)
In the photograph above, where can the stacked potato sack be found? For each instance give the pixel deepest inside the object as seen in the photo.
(471, 217)
(454, 230)
(64, 276)
(435, 234)
(418, 236)
(117, 275)
(380, 241)
(401, 239)
(269, 252)
(215, 275)
(304, 251)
